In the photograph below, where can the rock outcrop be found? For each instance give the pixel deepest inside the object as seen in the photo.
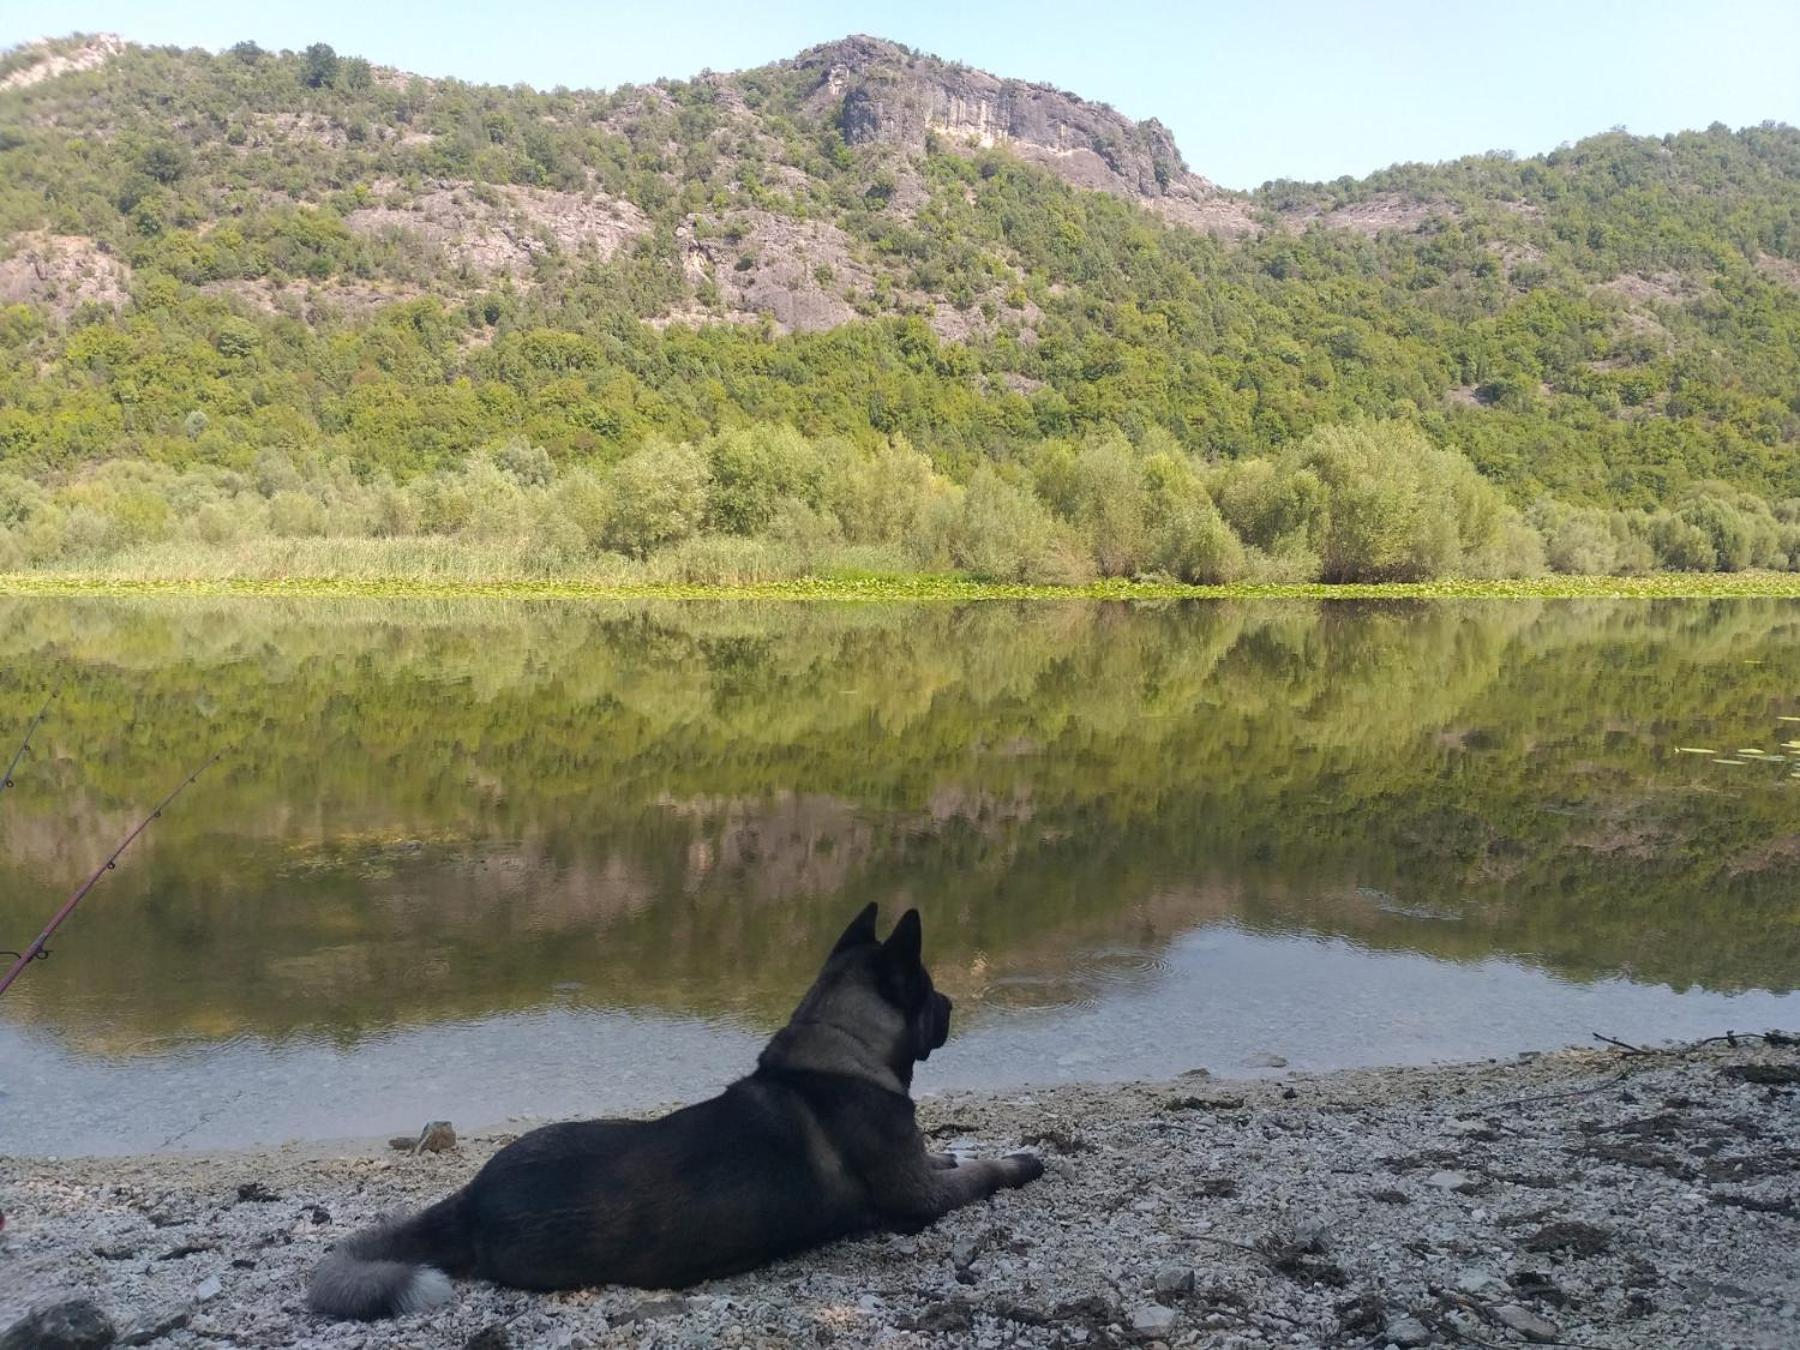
(45, 60)
(60, 272)
(883, 93)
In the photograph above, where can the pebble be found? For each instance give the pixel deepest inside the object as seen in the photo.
(1152, 1318)
(1407, 1331)
(210, 1288)
(655, 1309)
(1119, 1215)
(1174, 1280)
(1527, 1323)
(438, 1136)
(1481, 1283)
(154, 1326)
(1452, 1181)
(74, 1323)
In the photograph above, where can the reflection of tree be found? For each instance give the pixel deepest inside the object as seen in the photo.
(443, 809)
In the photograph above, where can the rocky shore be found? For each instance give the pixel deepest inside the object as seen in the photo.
(1604, 1198)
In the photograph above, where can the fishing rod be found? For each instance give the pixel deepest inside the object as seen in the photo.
(36, 950)
(25, 744)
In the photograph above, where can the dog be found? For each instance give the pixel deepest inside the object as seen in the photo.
(819, 1143)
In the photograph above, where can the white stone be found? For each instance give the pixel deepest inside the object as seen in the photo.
(1152, 1318)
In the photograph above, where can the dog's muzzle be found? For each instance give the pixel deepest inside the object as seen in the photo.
(934, 1025)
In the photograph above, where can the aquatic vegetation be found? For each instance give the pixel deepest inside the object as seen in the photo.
(323, 568)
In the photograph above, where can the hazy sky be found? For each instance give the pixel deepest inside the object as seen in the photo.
(1290, 88)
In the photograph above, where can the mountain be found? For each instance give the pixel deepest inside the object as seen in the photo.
(212, 255)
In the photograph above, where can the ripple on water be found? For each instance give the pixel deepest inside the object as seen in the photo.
(1083, 980)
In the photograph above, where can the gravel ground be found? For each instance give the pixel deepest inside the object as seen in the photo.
(1591, 1198)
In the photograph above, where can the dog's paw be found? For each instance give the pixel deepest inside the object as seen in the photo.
(1023, 1168)
(941, 1162)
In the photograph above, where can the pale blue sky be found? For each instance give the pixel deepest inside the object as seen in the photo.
(1289, 88)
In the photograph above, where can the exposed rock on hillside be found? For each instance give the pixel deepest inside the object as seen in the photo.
(60, 272)
(881, 93)
(802, 273)
(1372, 216)
(48, 59)
(501, 229)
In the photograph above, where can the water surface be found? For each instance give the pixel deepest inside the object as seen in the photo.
(480, 860)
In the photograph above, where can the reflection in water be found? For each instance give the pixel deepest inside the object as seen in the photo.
(445, 811)
(1220, 998)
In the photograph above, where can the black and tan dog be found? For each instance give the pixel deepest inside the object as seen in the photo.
(820, 1142)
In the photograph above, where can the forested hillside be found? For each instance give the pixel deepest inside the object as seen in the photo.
(866, 299)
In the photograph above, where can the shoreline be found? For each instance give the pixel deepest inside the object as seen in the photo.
(1653, 586)
(1600, 1198)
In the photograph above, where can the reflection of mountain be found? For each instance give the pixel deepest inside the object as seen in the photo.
(444, 809)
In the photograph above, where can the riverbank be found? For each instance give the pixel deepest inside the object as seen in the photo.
(277, 582)
(1591, 1198)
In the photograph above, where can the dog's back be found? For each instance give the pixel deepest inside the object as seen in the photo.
(709, 1190)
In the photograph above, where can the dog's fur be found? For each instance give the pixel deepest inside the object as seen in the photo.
(820, 1142)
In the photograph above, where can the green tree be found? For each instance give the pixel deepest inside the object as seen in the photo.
(659, 496)
(318, 65)
(164, 162)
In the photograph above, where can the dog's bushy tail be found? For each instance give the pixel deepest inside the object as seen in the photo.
(397, 1267)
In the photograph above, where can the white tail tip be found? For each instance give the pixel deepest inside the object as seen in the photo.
(428, 1287)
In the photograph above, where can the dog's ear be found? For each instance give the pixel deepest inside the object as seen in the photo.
(906, 943)
(861, 931)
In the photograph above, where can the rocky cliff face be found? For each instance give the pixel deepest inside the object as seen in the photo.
(883, 93)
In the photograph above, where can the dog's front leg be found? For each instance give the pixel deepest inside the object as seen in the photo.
(942, 1162)
(916, 1192)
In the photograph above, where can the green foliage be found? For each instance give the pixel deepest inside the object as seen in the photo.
(318, 66)
(1683, 546)
(659, 496)
(1373, 502)
(996, 531)
(879, 494)
(753, 472)
(1612, 327)
(1106, 505)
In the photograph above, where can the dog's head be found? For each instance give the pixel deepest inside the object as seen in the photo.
(897, 967)
(873, 1006)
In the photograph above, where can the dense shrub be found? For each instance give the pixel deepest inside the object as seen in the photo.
(1370, 501)
(996, 531)
(752, 470)
(659, 496)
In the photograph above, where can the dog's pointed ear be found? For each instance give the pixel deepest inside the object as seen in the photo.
(861, 931)
(906, 943)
